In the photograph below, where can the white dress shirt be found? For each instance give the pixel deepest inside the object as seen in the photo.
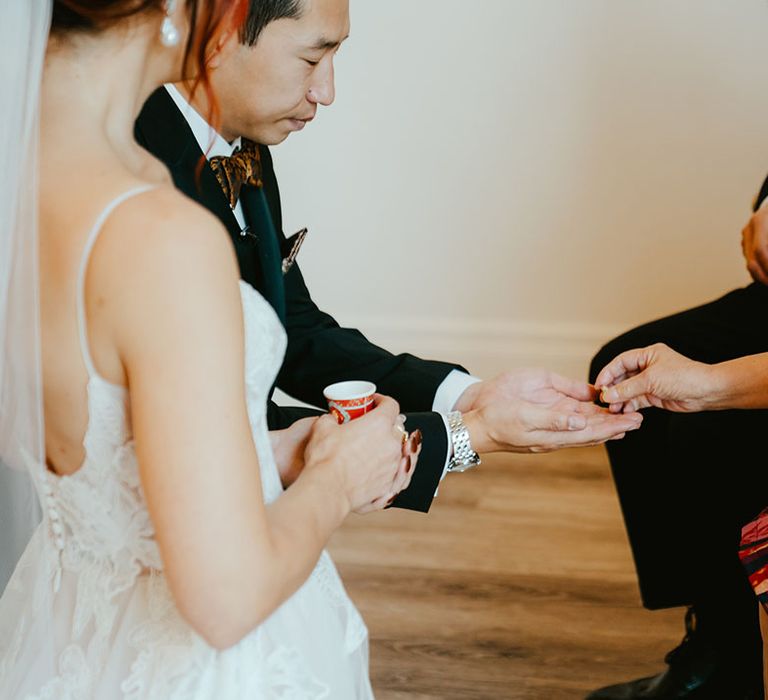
(214, 144)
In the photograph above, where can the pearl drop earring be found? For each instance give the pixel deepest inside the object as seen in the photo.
(169, 34)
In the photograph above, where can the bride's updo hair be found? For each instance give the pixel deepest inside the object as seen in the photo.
(69, 15)
(206, 18)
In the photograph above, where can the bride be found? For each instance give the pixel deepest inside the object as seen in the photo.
(169, 562)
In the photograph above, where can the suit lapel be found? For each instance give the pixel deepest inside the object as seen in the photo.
(257, 213)
(164, 132)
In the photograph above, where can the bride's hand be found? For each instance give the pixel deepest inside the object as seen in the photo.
(364, 458)
(288, 446)
(409, 456)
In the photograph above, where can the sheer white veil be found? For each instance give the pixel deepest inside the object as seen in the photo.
(24, 26)
(23, 37)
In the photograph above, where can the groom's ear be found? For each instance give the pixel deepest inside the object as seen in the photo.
(214, 59)
(219, 47)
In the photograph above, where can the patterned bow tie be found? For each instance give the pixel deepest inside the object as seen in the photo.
(243, 167)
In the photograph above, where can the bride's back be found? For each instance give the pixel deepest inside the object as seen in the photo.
(83, 169)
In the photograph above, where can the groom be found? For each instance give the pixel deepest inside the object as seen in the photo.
(269, 82)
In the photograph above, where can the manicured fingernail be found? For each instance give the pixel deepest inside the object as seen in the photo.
(409, 464)
(415, 441)
(609, 395)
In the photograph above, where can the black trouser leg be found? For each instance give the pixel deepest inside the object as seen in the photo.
(727, 487)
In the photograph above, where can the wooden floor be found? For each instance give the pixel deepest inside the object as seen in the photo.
(518, 584)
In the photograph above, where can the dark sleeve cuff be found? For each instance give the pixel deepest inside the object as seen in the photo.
(281, 417)
(429, 470)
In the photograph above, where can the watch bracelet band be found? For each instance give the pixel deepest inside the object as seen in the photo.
(464, 457)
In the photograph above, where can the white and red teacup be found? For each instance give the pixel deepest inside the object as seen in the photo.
(349, 400)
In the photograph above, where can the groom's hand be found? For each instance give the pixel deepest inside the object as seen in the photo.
(288, 446)
(534, 410)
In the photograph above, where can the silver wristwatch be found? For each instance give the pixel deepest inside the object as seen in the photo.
(464, 457)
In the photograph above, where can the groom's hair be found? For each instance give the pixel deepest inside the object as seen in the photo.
(262, 12)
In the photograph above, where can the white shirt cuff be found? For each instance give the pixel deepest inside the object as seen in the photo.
(451, 389)
(446, 396)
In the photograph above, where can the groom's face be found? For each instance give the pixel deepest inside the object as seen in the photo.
(268, 91)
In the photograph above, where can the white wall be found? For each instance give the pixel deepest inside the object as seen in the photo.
(506, 182)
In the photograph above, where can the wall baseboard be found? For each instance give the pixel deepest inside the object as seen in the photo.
(486, 347)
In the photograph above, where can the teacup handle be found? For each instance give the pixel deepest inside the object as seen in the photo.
(339, 410)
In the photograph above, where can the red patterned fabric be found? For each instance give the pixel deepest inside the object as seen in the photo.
(753, 552)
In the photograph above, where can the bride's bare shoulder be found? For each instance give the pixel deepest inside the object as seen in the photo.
(161, 239)
(162, 221)
(164, 213)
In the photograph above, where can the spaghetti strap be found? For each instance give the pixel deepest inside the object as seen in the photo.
(89, 243)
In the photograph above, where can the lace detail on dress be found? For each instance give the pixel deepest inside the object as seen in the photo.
(327, 578)
(175, 664)
(75, 680)
(265, 340)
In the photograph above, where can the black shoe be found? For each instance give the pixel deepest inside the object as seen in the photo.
(696, 672)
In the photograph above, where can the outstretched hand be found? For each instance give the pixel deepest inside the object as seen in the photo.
(535, 410)
(655, 376)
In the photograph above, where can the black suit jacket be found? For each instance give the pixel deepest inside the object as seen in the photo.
(761, 195)
(319, 351)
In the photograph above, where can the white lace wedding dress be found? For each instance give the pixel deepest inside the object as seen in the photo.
(117, 631)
